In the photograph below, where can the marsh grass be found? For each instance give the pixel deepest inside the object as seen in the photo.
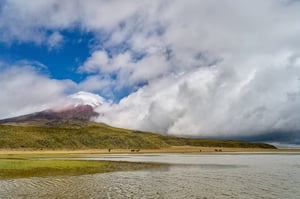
(23, 168)
(22, 156)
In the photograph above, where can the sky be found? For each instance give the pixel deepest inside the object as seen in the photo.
(218, 69)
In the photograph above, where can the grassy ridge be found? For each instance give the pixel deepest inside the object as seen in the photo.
(97, 136)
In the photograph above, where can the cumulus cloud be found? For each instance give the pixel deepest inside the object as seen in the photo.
(234, 73)
(24, 90)
(210, 103)
(98, 61)
(128, 70)
(55, 40)
(208, 68)
(29, 21)
(98, 84)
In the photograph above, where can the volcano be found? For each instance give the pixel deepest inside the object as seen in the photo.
(79, 110)
(80, 114)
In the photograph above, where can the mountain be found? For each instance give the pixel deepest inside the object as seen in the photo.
(78, 111)
(79, 114)
(70, 127)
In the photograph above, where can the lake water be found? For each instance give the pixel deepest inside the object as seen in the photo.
(211, 175)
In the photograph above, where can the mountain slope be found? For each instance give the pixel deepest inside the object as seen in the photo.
(97, 136)
(69, 127)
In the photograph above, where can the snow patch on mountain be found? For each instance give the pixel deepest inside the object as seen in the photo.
(86, 98)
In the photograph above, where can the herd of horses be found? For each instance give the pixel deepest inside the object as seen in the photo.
(218, 150)
(131, 150)
(135, 150)
(138, 150)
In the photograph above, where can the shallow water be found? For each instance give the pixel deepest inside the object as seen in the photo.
(188, 176)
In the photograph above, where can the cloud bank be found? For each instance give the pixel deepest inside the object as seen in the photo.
(228, 69)
(24, 90)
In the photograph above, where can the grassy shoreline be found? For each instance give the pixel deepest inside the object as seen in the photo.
(35, 163)
(174, 149)
(24, 166)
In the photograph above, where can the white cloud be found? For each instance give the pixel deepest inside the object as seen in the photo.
(130, 72)
(207, 102)
(24, 91)
(55, 40)
(28, 21)
(94, 83)
(212, 68)
(235, 72)
(98, 84)
(97, 62)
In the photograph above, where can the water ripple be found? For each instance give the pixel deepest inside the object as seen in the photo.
(196, 177)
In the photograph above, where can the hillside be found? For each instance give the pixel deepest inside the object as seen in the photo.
(99, 136)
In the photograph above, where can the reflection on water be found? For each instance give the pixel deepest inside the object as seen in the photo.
(189, 176)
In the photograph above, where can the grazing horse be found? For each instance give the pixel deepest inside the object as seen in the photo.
(135, 150)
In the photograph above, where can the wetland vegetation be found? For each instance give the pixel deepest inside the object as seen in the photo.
(23, 166)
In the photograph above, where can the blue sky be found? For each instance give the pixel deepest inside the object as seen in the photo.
(192, 68)
(61, 62)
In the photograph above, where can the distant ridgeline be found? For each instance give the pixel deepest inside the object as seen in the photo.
(97, 136)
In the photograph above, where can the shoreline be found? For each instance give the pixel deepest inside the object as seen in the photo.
(175, 149)
(40, 163)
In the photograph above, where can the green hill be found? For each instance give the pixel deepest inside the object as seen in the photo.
(100, 136)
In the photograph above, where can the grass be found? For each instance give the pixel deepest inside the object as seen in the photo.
(16, 167)
(100, 136)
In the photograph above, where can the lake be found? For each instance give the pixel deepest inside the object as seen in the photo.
(202, 175)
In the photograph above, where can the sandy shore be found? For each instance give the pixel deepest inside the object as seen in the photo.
(177, 149)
